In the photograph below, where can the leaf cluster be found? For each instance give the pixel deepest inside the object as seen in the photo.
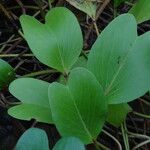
(116, 72)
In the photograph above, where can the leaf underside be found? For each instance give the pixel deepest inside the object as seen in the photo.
(33, 139)
(69, 143)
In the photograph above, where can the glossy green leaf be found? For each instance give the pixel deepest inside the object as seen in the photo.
(120, 60)
(7, 74)
(78, 109)
(117, 113)
(34, 97)
(84, 5)
(141, 10)
(69, 143)
(58, 42)
(33, 139)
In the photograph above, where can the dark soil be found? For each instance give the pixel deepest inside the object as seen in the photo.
(11, 42)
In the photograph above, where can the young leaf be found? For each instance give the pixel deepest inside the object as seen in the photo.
(58, 42)
(69, 143)
(141, 10)
(34, 97)
(117, 113)
(33, 139)
(78, 109)
(84, 5)
(116, 57)
(7, 74)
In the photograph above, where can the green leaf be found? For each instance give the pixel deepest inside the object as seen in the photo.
(78, 109)
(81, 62)
(116, 57)
(84, 5)
(58, 42)
(33, 139)
(33, 95)
(117, 113)
(7, 74)
(69, 143)
(118, 2)
(141, 10)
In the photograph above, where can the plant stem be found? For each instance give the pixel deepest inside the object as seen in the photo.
(40, 73)
(5, 11)
(15, 55)
(96, 28)
(22, 6)
(49, 3)
(118, 143)
(3, 47)
(101, 8)
(102, 146)
(96, 145)
(115, 11)
(21, 34)
(141, 144)
(25, 6)
(128, 3)
(136, 135)
(124, 137)
(141, 115)
(145, 102)
(39, 3)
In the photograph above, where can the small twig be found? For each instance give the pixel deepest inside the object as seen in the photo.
(118, 143)
(141, 115)
(19, 64)
(101, 7)
(40, 73)
(13, 46)
(34, 123)
(102, 146)
(141, 144)
(5, 11)
(145, 102)
(96, 28)
(49, 3)
(22, 6)
(3, 47)
(12, 40)
(125, 138)
(39, 3)
(38, 12)
(8, 15)
(15, 55)
(136, 135)
(96, 145)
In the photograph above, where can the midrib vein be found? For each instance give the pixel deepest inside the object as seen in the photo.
(62, 62)
(80, 117)
(119, 69)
